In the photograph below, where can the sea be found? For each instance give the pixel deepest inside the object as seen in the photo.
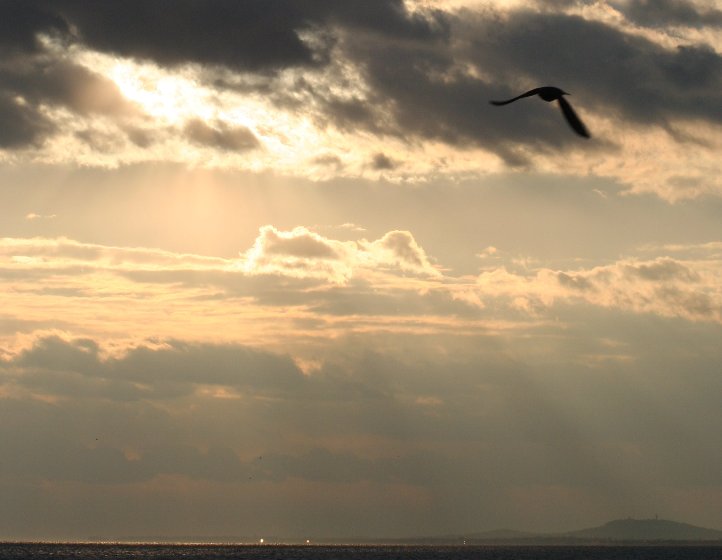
(88, 551)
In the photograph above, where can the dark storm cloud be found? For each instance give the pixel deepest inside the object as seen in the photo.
(75, 87)
(349, 114)
(406, 77)
(605, 68)
(255, 35)
(661, 13)
(21, 22)
(31, 79)
(20, 125)
(251, 35)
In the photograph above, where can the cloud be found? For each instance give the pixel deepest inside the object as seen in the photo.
(388, 283)
(75, 87)
(20, 125)
(252, 35)
(64, 367)
(33, 216)
(410, 81)
(399, 248)
(440, 414)
(256, 35)
(605, 67)
(382, 161)
(663, 286)
(22, 22)
(35, 79)
(437, 90)
(245, 369)
(299, 243)
(302, 253)
(222, 136)
(317, 280)
(662, 13)
(278, 34)
(61, 251)
(299, 253)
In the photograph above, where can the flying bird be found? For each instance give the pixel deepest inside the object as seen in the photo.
(550, 93)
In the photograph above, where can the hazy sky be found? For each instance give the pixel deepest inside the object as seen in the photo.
(277, 267)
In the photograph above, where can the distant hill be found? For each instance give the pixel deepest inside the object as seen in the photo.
(647, 530)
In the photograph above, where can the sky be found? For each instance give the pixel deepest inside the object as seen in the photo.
(278, 268)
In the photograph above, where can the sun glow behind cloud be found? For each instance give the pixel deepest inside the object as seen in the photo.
(171, 98)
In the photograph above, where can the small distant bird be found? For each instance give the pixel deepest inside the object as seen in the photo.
(550, 93)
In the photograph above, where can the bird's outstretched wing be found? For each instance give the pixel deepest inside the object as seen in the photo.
(572, 118)
(527, 94)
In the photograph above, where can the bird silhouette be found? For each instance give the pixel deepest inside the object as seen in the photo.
(551, 93)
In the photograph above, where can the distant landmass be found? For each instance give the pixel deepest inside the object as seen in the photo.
(648, 530)
(621, 530)
(627, 531)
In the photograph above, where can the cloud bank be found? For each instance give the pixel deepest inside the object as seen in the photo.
(386, 87)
